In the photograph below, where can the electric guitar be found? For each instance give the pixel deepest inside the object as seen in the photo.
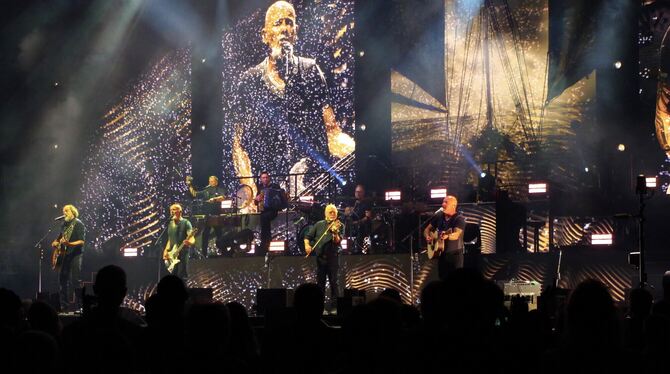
(173, 255)
(437, 245)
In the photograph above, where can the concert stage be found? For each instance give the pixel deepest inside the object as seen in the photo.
(237, 279)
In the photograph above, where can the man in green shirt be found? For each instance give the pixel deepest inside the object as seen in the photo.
(179, 231)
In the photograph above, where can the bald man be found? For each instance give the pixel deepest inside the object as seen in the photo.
(450, 225)
(284, 122)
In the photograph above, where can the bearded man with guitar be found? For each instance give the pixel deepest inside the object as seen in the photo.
(67, 256)
(324, 239)
(444, 235)
(179, 233)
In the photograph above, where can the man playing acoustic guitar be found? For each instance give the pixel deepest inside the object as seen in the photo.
(68, 248)
(449, 224)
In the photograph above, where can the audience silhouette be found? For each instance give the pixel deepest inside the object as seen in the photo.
(462, 326)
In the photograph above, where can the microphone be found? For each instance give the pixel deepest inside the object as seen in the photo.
(59, 218)
(287, 51)
(439, 210)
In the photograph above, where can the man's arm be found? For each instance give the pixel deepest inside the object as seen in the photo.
(457, 231)
(426, 233)
(309, 236)
(339, 143)
(190, 240)
(167, 248)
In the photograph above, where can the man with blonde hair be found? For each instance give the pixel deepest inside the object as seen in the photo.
(70, 242)
(324, 239)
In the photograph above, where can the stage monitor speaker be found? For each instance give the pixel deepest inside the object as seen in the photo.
(272, 299)
(529, 290)
(201, 295)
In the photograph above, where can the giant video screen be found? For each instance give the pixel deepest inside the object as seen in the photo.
(288, 80)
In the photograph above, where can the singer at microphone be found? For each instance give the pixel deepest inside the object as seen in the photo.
(283, 117)
(450, 225)
(59, 217)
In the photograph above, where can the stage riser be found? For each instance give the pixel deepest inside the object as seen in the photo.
(237, 279)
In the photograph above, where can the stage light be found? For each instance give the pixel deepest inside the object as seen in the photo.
(306, 199)
(537, 188)
(617, 65)
(586, 169)
(56, 84)
(393, 195)
(130, 252)
(362, 127)
(438, 193)
(482, 174)
(344, 244)
(650, 182)
(55, 146)
(226, 204)
(56, 206)
(204, 60)
(602, 239)
(361, 53)
(277, 246)
(203, 127)
(621, 147)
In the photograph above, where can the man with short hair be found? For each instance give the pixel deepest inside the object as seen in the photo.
(179, 232)
(359, 220)
(211, 197)
(450, 225)
(70, 241)
(267, 193)
(284, 121)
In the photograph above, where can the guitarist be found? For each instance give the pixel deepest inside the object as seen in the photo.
(70, 244)
(450, 225)
(179, 229)
(324, 239)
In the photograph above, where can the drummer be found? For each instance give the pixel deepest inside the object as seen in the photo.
(358, 219)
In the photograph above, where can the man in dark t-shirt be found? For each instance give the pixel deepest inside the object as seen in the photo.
(283, 119)
(72, 239)
(324, 239)
(210, 199)
(450, 225)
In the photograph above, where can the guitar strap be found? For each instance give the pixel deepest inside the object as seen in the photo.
(67, 233)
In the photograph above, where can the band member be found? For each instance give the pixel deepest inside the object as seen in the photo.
(71, 240)
(324, 239)
(450, 225)
(359, 219)
(267, 192)
(179, 231)
(211, 196)
(283, 117)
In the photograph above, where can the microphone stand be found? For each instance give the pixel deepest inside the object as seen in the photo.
(410, 236)
(38, 245)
